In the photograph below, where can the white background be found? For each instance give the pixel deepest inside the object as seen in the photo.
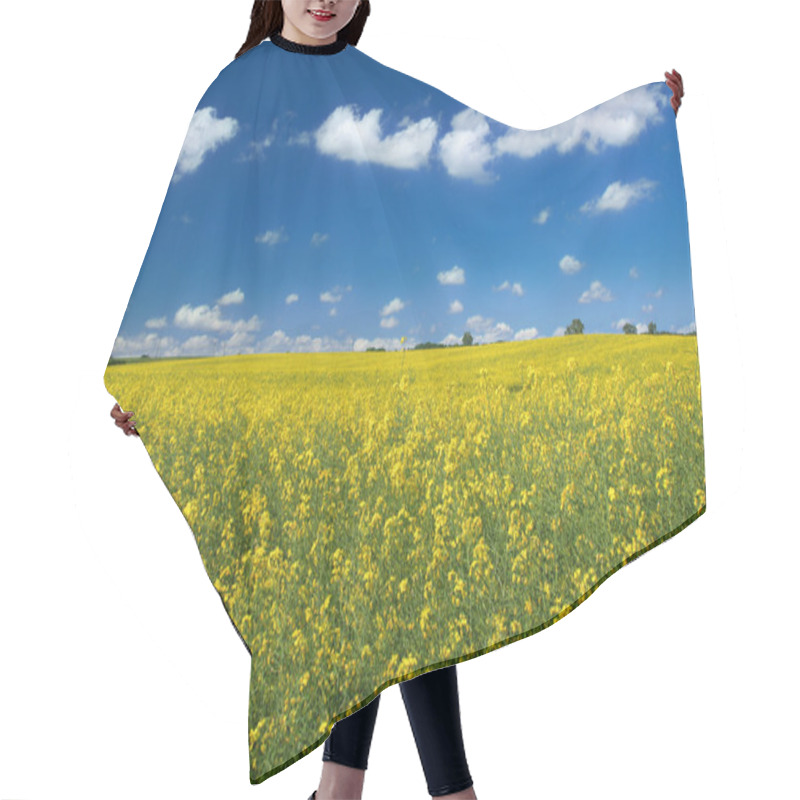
(120, 673)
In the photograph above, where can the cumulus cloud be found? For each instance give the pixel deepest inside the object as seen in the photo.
(148, 344)
(596, 291)
(392, 307)
(618, 196)
(615, 123)
(465, 150)
(570, 265)
(243, 341)
(202, 344)
(362, 344)
(277, 341)
(291, 298)
(231, 298)
(542, 216)
(641, 327)
(334, 295)
(280, 342)
(350, 137)
(388, 322)
(451, 277)
(206, 133)
(456, 307)
(526, 333)
(209, 318)
(485, 329)
(160, 322)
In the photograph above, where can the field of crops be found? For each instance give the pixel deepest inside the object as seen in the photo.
(368, 515)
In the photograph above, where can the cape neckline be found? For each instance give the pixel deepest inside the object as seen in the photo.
(310, 49)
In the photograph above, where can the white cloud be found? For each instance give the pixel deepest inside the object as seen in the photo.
(690, 328)
(618, 196)
(648, 307)
(150, 344)
(272, 237)
(516, 288)
(231, 298)
(657, 293)
(330, 297)
(392, 307)
(277, 341)
(596, 291)
(349, 137)
(633, 272)
(570, 265)
(291, 298)
(332, 312)
(318, 238)
(206, 318)
(451, 277)
(361, 344)
(456, 307)
(206, 133)
(239, 340)
(200, 345)
(160, 322)
(317, 344)
(615, 123)
(526, 333)
(559, 331)
(388, 322)
(485, 329)
(465, 151)
(542, 216)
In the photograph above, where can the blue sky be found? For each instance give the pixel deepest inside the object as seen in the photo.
(328, 203)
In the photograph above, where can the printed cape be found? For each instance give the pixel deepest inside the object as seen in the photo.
(418, 381)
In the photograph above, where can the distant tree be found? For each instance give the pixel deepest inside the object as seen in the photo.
(576, 326)
(466, 339)
(376, 350)
(651, 327)
(428, 345)
(628, 328)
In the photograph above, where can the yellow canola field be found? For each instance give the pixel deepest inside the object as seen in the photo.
(366, 516)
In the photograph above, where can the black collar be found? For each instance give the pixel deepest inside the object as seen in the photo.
(311, 49)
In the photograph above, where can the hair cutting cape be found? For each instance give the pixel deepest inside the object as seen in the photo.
(418, 381)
